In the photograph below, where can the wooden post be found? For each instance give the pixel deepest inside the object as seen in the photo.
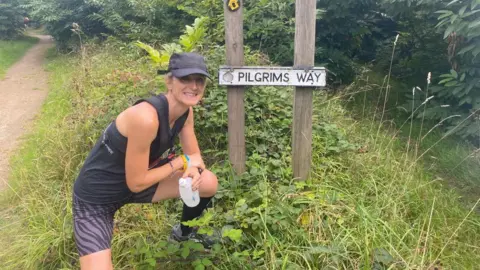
(305, 16)
(235, 94)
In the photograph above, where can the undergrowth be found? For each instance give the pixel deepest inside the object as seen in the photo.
(367, 204)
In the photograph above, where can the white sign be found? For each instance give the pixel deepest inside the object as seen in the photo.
(281, 76)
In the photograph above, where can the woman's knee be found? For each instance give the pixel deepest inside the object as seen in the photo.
(209, 184)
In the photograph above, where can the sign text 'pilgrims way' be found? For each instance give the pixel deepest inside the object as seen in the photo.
(280, 76)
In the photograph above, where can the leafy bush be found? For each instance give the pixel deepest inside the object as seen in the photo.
(348, 25)
(456, 101)
(11, 19)
(270, 28)
(152, 21)
(341, 69)
(60, 16)
(420, 48)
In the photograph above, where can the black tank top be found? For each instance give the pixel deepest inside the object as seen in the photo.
(102, 178)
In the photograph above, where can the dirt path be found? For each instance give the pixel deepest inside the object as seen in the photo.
(22, 92)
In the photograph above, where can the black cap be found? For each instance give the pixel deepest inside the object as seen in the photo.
(184, 64)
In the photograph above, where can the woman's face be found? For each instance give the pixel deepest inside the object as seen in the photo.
(188, 90)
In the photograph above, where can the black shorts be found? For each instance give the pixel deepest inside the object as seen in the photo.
(93, 223)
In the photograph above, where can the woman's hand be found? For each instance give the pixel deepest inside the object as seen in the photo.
(176, 164)
(196, 161)
(194, 173)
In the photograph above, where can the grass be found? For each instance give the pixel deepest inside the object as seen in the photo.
(368, 204)
(12, 50)
(31, 242)
(454, 161)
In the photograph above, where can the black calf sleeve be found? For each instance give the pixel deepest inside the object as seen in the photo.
(190, 213)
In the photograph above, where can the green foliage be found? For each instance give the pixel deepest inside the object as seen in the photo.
(210, 10)
(151, 21)
(359, 209)
(60, 16)
(191, 40)
(11, 19)
(270, 28)
(347, 31)
(371, 208)
(457, 95)
(420, 48)
(344, 25)
(341, 69)
(194, 35)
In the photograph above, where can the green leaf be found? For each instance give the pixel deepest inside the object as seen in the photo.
(240, 202)
(449, 30)
(457, 90)
(449, 84)
(234, 234)
(466, 99)
(197, 262)
(442, 22)
(475, 4)
(205, 230)
(197, 246)
(454, 73)
(444, 16)
(453, 18)
(206, 262)
(451, 3)
(161, 244)
(172, 248)
(466, 49)
(474, 33)
(476, 104)
(470, 87)
(462, 10)
(444, 11)
(185, 252)
(154, 54)
(462, 78)
(445, 80)
(199, 267)
(476, 51)
(143, 250)
(474, 24)
(383, 256)
(320, 250)
(470, 13)
(161, 254)
(461, 26)
(151, 261)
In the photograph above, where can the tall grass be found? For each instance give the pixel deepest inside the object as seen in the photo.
(453, 161)
(12, 50)
(366, 206)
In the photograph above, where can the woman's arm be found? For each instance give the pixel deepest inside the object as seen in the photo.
(142, 127)
(189, 142)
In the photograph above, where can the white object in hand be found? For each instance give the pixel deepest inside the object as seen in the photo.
(190, 198)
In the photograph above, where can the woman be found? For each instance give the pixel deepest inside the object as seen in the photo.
(134, 161)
